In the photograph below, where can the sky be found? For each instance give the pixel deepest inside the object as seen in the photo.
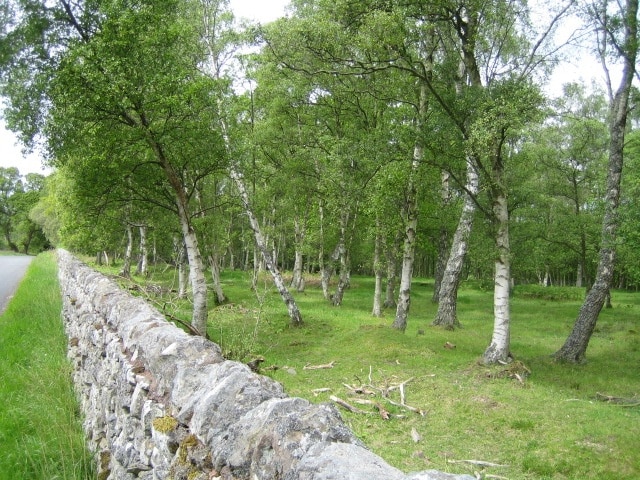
(257, 10)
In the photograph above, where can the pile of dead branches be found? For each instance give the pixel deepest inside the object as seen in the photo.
(376, 396)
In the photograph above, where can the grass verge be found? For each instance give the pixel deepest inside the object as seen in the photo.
(40, 429)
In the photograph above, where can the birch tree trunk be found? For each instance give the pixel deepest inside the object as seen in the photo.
(143, 262)
(411, 219)
(261, 243)
(297, 280)
(377, 270)
(392, 273)
(575, 346)
(214, 263)
(443, 240)
(341, 249)
(197, 279)
(408, 256)
(196, 276)
(128, 252)
(344, 279)
(180, 255)
(446, 315)
(498, 350)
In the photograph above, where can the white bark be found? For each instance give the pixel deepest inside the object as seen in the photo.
(443, 239)
(498, 350)
(408, 256)
(377, 269)
(297, 280)
(579, 275)
(214, 263)
(128, 252)
(343, 281)
(143, 263)
(392, 274)
(196, 277)
(178, 248)
(447, 313)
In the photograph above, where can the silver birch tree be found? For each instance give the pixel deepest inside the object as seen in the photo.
(575, 346)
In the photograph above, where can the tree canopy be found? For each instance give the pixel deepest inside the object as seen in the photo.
(388, 138)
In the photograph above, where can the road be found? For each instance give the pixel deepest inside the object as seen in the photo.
(12, 269)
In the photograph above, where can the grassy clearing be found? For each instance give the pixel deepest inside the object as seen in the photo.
(549, 426)
(40, 430)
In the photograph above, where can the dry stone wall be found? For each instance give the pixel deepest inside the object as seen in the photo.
(161, 404)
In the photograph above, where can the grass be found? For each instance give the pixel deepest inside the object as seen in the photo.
(9, 253)
(545, 423)
(40, 429)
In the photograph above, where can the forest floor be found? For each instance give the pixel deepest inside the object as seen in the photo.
(421, 398)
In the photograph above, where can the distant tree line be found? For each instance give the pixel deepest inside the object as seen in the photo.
(19, 221)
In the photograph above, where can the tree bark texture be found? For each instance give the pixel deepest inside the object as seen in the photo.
(498, 350)
(214, 263)
(446, 315)
(297, 280)
(128, 252)
(143, 262)
(181, 260)
(377, 270)
(392, 272)
(345, 274)
(575, 346)
(443, 240)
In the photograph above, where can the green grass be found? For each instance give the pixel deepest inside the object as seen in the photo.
(549, 426)
(40, 429)
(9, 253)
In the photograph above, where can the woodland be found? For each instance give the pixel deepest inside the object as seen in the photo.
(387, 138)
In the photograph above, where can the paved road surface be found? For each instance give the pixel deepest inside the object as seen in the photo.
(12, 270)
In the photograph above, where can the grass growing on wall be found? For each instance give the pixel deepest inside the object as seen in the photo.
(40, 429)
(549, 424)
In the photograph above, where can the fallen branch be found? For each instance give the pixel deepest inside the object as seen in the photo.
(479, 463)
(366, 401)
(347, 406)
(308, 366)
(384, 413)
(619, 401)
(420, 412)
(192, 330)
(360, 390)
(317, 391)
(400, 386)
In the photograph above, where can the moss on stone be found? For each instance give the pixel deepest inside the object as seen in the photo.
(194, 474)
(165, 424)
(104, 474)
(190, 441)
(105, 458)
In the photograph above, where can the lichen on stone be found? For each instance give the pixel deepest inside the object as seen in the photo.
(164, 424)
